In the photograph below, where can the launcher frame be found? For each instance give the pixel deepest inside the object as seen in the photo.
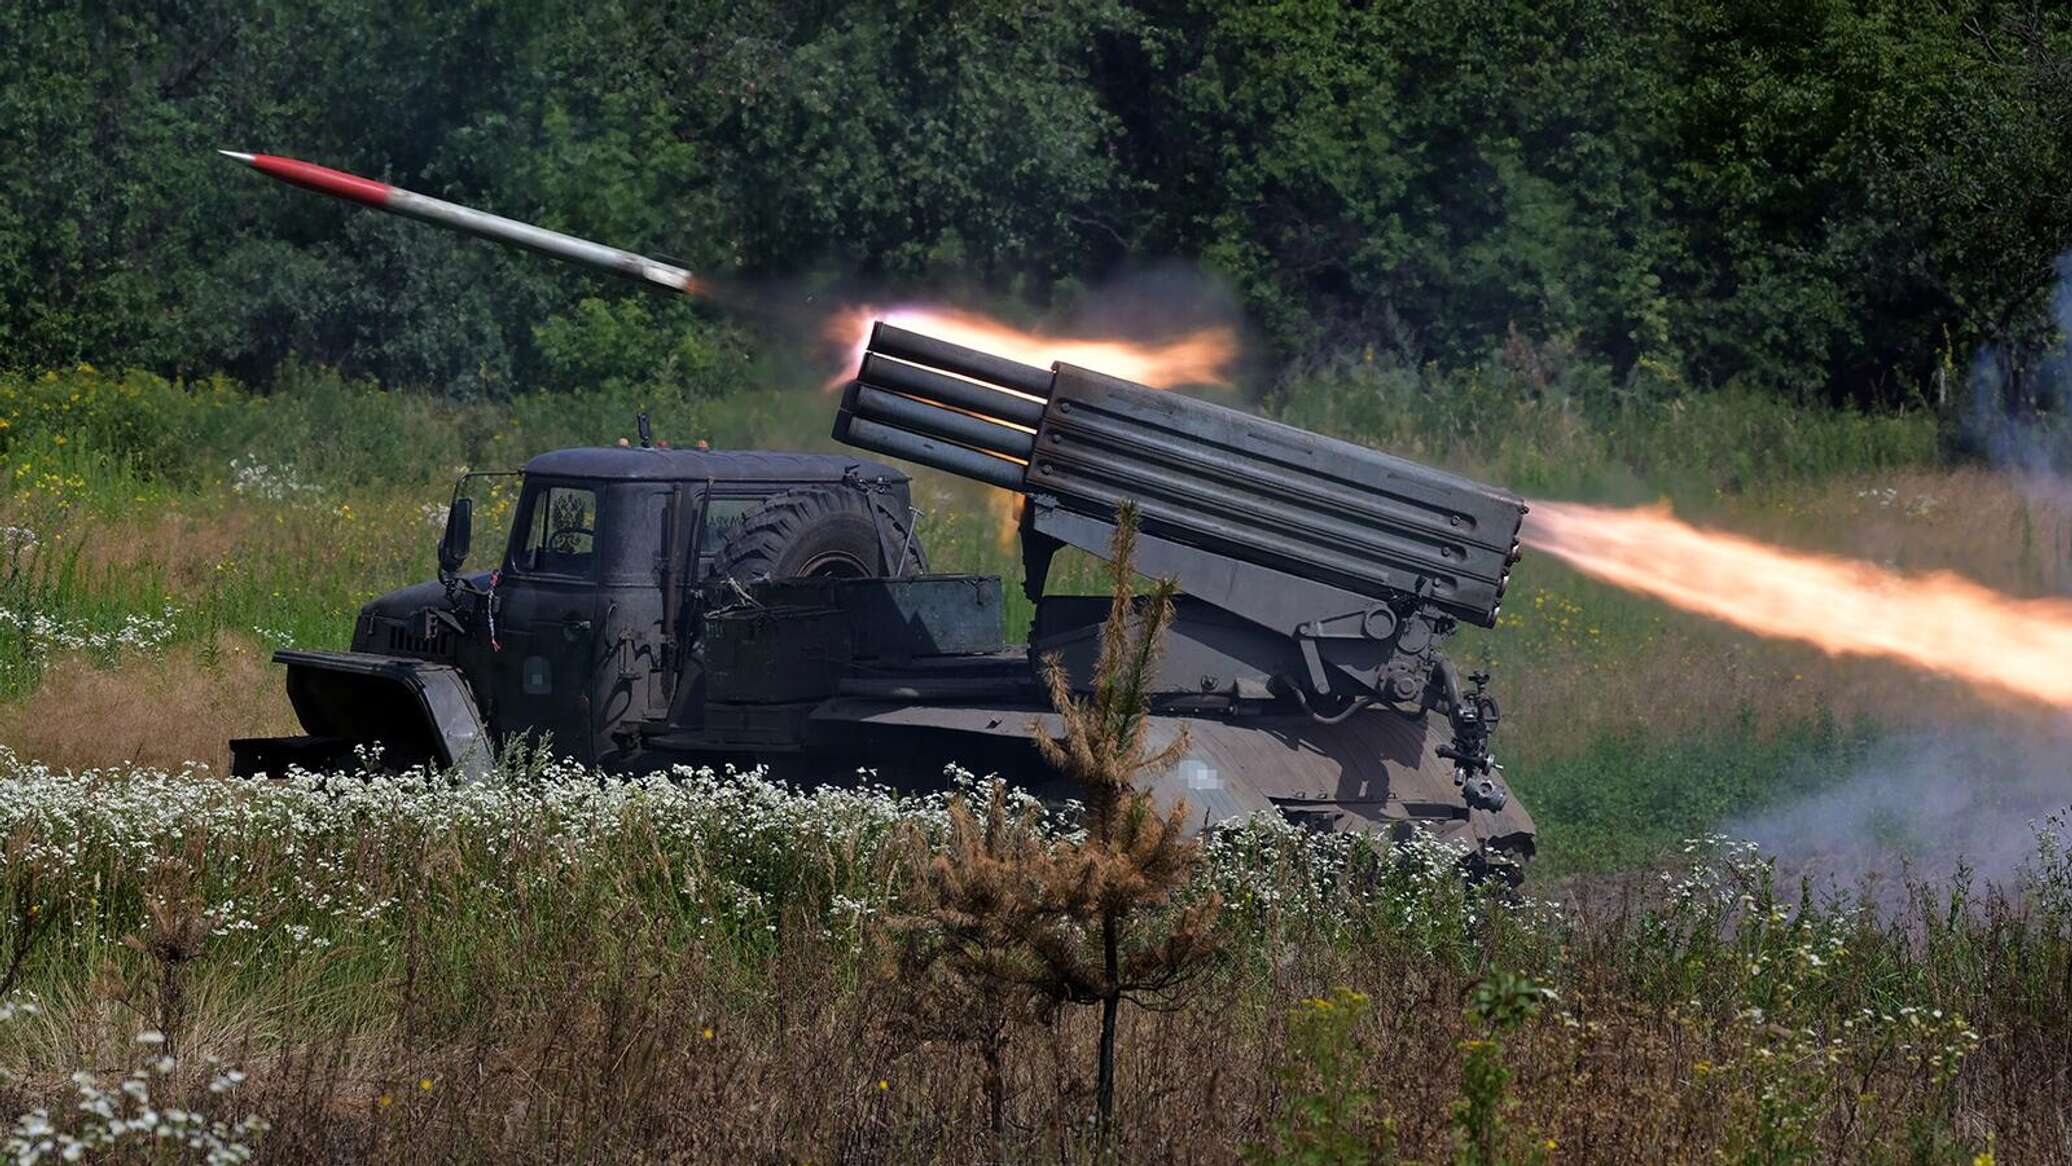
(1349, 565)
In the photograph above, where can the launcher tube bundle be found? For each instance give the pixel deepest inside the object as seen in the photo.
(1308, 535)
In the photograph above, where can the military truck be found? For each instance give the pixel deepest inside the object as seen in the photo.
(651, 607)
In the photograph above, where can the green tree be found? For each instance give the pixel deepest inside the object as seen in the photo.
(1823, 199)
(1012, 918)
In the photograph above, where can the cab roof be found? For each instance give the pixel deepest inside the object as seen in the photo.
(700, 465)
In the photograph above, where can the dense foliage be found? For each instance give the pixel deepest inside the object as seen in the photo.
(1825, 199)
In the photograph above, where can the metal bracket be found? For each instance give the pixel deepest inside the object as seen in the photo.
(1473, 714)
(1038, 548)
(873, 492)
(1313, 661)
(1347, 654)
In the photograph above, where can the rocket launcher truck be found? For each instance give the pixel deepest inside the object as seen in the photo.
(651, 607)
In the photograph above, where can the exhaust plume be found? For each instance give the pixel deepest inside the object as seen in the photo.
(1920, 804)
(1201, 357)
(1938, 622)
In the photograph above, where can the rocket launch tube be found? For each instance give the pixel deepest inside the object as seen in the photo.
(1220, 487)
(914, 348)
(496, 228)
(936, 421)
(928, 385)
(928, 451)
(969, 412)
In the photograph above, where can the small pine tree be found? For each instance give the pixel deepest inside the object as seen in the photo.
(1014, 918)
(964, 955)
(1105, 942)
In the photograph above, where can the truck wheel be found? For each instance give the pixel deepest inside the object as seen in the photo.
(825, 533)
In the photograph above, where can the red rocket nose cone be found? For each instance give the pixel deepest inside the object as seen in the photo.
(322, 179)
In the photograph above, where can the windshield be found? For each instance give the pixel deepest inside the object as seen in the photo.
(560, 532)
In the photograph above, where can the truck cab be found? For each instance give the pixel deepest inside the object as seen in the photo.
(583, 637)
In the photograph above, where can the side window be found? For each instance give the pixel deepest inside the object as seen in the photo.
(722, 518)
(561, 536)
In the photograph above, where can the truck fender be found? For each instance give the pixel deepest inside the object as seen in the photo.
(413, 711)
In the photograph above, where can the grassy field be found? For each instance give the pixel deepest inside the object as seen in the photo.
(162, 539)
(561, 967)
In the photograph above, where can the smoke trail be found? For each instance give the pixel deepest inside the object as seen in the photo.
(1926, 801)
(2015, 406)
(1939, 622)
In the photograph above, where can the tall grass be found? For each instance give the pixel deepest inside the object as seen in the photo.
(558, 965)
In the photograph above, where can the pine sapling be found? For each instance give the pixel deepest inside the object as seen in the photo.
(1104, 939)
(1015, 919)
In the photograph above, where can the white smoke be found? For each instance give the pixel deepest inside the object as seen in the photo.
(1921, 804)
(2016, 406)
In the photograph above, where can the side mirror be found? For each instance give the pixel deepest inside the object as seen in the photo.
(453, 545)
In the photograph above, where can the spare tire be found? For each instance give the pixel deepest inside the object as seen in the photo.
(826, 532)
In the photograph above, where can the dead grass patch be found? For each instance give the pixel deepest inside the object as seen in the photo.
(163, 711)
(2007, 532)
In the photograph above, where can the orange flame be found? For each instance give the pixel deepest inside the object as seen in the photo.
(1006, 508)
(1939, 622)
(1201, 357)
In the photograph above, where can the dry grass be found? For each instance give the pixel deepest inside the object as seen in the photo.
(2001, 530)
(547, 971)
(161, 711)
(607, 1057)
(181, 546)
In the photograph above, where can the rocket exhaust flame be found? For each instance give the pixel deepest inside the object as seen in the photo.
(1201, 357)
(1939, 622)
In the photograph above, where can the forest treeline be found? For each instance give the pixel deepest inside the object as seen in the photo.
(1824, 198)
